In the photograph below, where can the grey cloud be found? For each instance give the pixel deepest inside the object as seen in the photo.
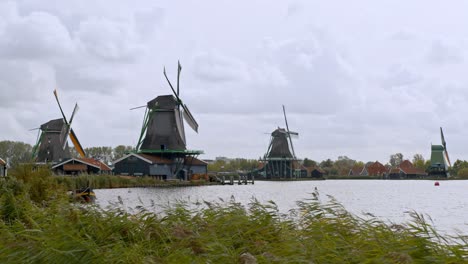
(36, 36)
(214, 67)
(399, 76)
(440, 53)
(109, 40)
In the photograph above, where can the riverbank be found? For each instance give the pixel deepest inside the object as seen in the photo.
(113, 181)
(38, 224)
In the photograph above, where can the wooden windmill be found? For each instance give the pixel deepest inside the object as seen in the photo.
(280, 159)
(163, 133)
(440, 161)
(52, 141)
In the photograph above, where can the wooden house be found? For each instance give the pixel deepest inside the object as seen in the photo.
(77, 166)
(405, 170)
(376, 169)
(139, 164)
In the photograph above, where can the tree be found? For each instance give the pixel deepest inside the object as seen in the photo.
(396, 159)
(419, 162)
(120, 151)
(343, 164)
(309, 163)
(15, 152)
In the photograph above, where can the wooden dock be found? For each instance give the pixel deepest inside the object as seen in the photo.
(231, 180)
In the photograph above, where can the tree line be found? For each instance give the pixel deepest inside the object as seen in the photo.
(16, 152)
(19, 152)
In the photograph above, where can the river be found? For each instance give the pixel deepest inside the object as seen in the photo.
(386, 199)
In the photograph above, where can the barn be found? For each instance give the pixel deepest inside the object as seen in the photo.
(139, 164)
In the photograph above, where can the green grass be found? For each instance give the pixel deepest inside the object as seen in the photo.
(44, 227)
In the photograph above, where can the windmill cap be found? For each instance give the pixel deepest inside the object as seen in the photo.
(54, 125)
(437, 147)
(163, 102)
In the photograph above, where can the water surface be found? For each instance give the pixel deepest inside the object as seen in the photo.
(387, 200)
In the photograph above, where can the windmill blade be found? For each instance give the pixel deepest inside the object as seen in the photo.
(73, 113)
(179, 124)
(170, 84)
(179, 69)
(141, 106)
(65, 137)
(448, 159)
(189, 118)
(61, 110)
(32, 129)
(443, 139)
(287, 127)
(293, 134)
(77, 144)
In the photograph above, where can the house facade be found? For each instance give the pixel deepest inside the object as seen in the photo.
(77, 166)
(138, 164)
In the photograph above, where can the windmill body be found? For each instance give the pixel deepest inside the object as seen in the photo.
(51, 142)
(440, 162)
(279, 144)
(165, 130)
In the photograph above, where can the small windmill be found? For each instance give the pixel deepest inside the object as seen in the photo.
(163, 128)
(280, 157)
(52, 141)
(440, 161)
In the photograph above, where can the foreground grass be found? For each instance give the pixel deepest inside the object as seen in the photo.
(39, 225)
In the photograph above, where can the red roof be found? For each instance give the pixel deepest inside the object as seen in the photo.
(155, 159)
(195, 161)
(406, 164)
(376, 168)
(413, 170)
(96, 162)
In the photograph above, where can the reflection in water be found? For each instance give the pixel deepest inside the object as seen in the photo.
(387, 200)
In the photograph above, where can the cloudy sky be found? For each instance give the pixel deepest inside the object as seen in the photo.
(364, 79)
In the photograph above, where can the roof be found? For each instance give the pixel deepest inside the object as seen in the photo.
(2, 162)
(413, 170)
(406, 164)
(155, 159)
(376, 168)
(96, 162)
(195, 161)
(88, 161)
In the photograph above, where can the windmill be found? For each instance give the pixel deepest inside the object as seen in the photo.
(163, 128)
(52, 140)
(280, 158)
(163, 131)
(440, 161)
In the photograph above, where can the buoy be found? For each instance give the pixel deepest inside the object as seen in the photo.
(436, 183)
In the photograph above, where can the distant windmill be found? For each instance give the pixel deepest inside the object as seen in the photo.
(52, 141)
(280, 158)
(440, 161)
